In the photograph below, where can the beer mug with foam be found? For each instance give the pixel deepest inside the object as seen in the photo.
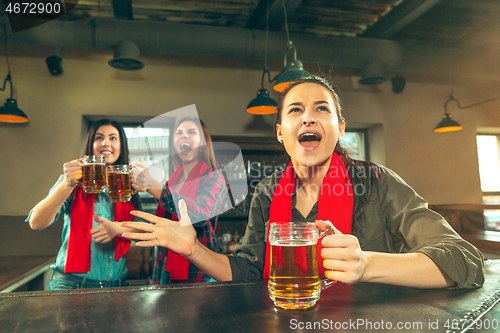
(119, 185)
(294, 281)
(94, 174)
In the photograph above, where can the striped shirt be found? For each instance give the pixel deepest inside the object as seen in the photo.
(203, 213)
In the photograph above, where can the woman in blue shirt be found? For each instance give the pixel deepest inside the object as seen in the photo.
(83, 262)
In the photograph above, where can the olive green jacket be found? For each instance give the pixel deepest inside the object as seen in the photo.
(396, 220)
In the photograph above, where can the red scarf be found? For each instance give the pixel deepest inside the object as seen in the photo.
(82, 211)
(176, 264)
(335, 204)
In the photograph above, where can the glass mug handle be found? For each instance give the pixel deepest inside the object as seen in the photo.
(326, 283)
(79, 181)
(130, 167)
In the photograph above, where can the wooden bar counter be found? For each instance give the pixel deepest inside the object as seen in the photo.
(245, 307)
(19, 270)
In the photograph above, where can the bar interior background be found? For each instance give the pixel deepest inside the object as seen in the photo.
(219, 68)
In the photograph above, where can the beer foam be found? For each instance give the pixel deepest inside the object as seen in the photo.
(292, 242)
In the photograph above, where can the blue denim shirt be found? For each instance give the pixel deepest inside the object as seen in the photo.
(103, 265)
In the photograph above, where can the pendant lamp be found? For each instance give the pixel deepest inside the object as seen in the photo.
(294, 71)
(10, 113)
(447, 124)
(263, 104)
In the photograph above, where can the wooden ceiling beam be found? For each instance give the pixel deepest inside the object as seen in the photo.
(123, 9)
(276, 14)
(399, 17)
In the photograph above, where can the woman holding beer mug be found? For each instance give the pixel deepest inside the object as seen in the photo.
(194, 181)
(383, 230)
(82, 262)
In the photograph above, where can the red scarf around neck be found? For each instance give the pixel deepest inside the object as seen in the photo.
(335, 204)
(176, 264)
(82, 211)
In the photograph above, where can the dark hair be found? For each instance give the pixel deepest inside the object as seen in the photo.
(89, 142)
(124, 153)
(205, 151)
(361, 173)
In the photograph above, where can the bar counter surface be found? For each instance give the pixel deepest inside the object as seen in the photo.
(16, 271)
(246, 307)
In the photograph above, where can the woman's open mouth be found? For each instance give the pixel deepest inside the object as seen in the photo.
(185, 147)
(309, 140)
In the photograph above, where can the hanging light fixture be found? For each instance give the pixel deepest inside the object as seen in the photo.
(126, 56)
(447, 124)
(263, 104)
(10, 113)
(373, 73)
(293, 70)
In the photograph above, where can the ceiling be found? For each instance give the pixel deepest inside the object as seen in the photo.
(340, 17)
(345, 33)
(438, 22)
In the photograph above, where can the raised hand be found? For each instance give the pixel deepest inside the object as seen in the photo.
(177, 236)
(344, 260)
(106, 231)
(142, 178)
(73, 171)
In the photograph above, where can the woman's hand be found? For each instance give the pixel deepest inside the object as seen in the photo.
(177, 236)
(106, 231)
(344, 260)
(142, 180)
(72, 172)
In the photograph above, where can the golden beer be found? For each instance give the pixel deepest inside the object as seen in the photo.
(94, 177)
(293, 278)
(119, 187)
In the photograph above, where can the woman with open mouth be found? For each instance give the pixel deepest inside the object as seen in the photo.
(383, 230)
(91, 256)
(193, 181)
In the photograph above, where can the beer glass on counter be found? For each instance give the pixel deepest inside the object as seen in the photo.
(294, 281)
(119, 184)
(94, 174)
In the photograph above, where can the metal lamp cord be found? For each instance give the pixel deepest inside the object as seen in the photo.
(9, 77)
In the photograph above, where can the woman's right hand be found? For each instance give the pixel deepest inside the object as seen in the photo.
(177, 236)
(73, 171)
(142, 180)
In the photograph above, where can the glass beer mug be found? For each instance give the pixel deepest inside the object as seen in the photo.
(294, 281)
(93, 174)
(119, 185)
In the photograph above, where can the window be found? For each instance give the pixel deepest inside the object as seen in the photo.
(354, 142)
(489, 172)
(149, 145)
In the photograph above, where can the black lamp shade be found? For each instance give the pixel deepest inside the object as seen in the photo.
(447, 125)
(262, 104)
(373, 73)
(11, 114)
(126, 56)
(294, 71)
